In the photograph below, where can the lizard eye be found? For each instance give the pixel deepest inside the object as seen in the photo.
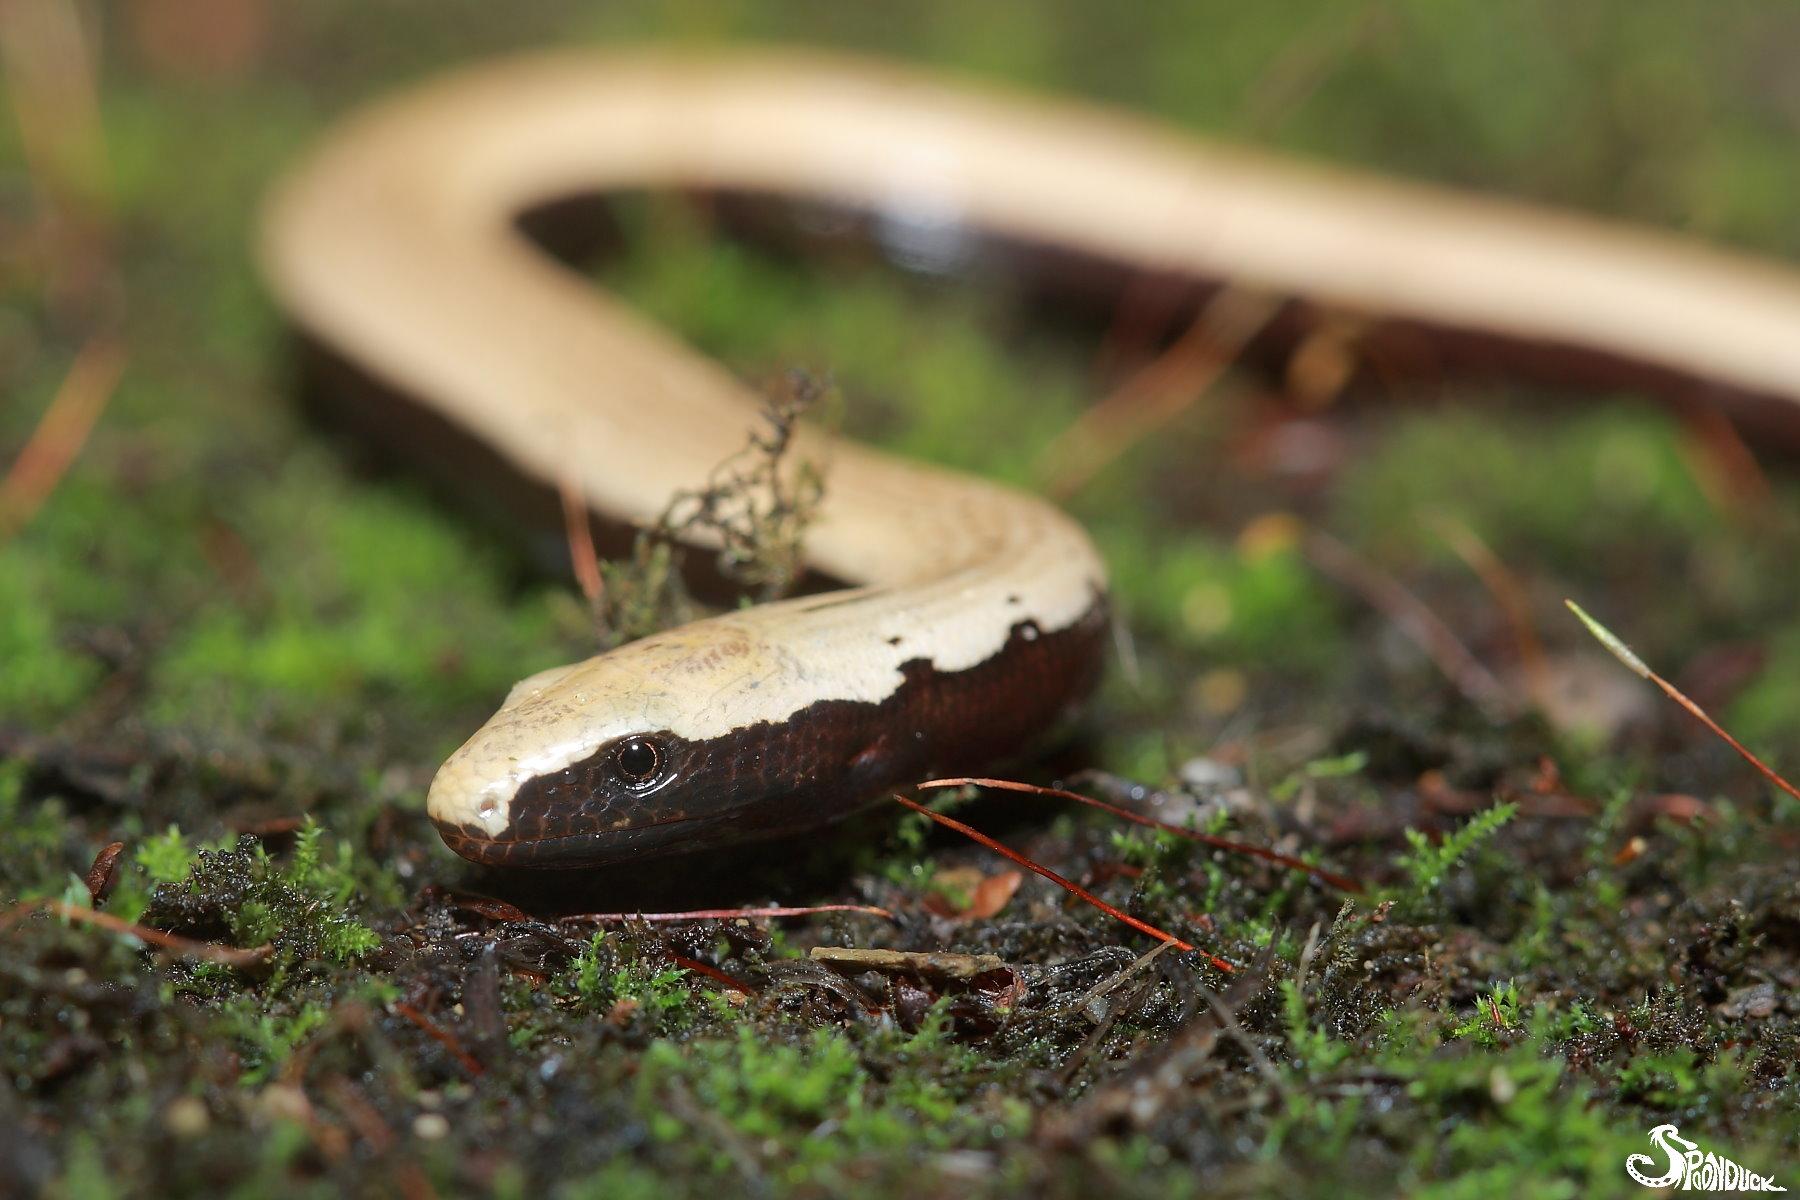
(638, 759)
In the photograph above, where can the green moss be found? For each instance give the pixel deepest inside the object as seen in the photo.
(44, 676)
(257, 631)
(1610, 480)
(614, 980)
(35, 830)
(1766, 714)
(166, 858)
(266, 1039)
(301, 908)
(363, 592)
(774, 1095)
(1426, 865)
(1248, 605)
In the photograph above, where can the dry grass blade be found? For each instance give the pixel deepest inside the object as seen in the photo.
(1159, 392)
(1067, 885)
(60, 434)
(1508, 592)
(212, 952)
(1263, 852)
(1624, 654)
(1415, 620)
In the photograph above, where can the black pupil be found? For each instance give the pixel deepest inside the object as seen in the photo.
(638, 759)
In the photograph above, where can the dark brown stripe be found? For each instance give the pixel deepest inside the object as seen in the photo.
(817, 766)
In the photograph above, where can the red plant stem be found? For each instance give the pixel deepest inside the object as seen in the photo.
(442, 1036)
(1699, 713)
(976, 835)
(1628, 656)
(711, 972)
(580, 535)
(1263, 852)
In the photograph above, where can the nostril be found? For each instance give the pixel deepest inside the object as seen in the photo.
(488, 808)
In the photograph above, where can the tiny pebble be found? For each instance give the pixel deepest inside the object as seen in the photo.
(186, 1117)
(431, 1126)
(1205, 776)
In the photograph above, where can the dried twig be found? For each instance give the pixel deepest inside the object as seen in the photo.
(1113, 982)
(1721, 462)
(1227, 1017)
(212, 952)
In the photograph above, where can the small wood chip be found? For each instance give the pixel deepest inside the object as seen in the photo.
(99, 878)
(895, 962)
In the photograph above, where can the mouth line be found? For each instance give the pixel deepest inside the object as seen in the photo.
(500, 851)
(460, 832)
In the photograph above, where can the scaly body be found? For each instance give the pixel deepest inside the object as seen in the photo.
(977, 614)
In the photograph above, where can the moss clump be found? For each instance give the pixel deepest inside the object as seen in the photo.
(247, 898)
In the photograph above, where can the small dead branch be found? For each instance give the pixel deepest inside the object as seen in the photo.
(1413, 618)
(1226, 1013)
(1113, 983)
(1067, 885)
(929, 965)
(755, 509)
(212, 952)
(1636, 665)
(1343, 882)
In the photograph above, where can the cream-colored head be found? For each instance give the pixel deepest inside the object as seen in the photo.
(610, 745)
